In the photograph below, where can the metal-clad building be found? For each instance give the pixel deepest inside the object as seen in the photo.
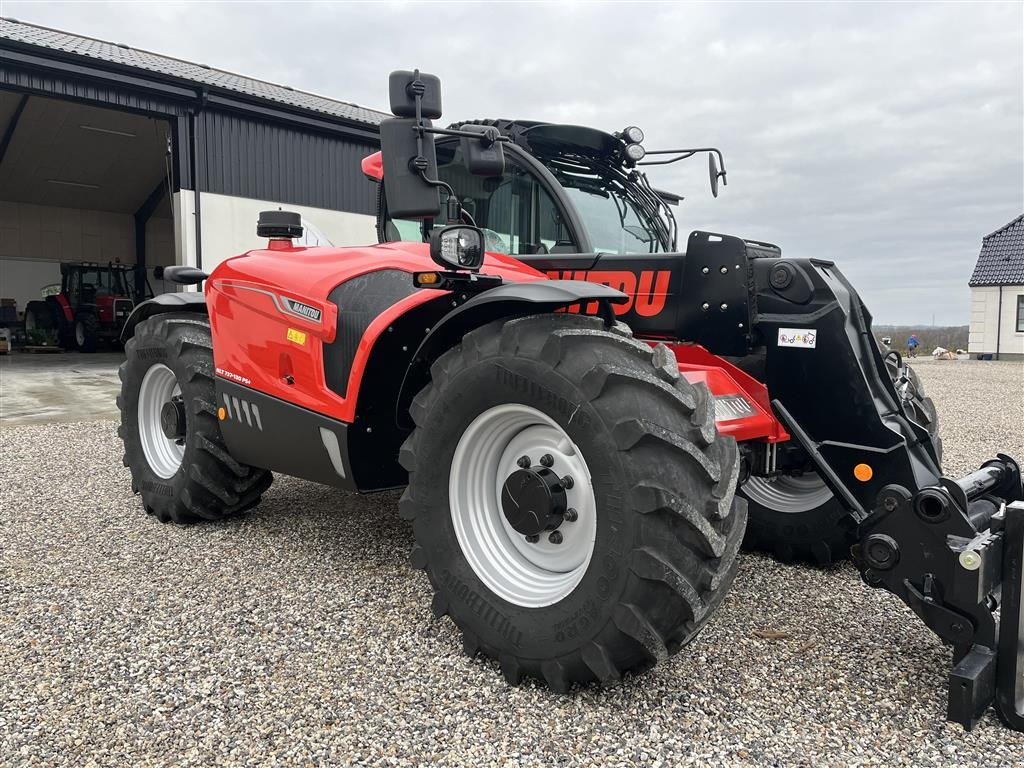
(108, 153)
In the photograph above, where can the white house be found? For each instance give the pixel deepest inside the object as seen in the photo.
(997, 295)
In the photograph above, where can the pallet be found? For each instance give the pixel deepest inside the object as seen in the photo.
(39, 349)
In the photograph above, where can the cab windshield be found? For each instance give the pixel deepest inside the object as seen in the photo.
(614, 220)
(519, 217)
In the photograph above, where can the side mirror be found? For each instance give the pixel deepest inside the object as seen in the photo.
(458, 247)
(484, 156)
(713, 173)
(404, 86)
(408, 195)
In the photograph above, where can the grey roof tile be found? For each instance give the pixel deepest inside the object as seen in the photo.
(199, 74)
(1001, 261)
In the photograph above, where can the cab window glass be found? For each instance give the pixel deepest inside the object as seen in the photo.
(516, 213)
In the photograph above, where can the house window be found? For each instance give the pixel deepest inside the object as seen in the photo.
(1020, 313)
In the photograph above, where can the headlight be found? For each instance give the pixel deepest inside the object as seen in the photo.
(633, 135)
(729, 407)
(458, 246)
(635, 152)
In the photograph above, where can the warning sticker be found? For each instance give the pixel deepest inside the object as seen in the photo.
(296, 336)
(805, 338)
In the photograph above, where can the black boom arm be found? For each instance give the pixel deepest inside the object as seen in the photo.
(952, 550)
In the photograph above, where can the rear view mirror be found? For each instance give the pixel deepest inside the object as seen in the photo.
(408, 195)
(713, 173)
(403, 87)
(484, 156)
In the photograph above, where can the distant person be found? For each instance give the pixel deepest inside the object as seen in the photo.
(912, 345)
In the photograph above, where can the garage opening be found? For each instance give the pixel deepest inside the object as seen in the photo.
(85, 215)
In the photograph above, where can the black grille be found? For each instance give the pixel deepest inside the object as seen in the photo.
(359, 301)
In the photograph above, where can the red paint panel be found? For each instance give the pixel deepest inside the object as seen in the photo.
(373, 166)
(250, 320)
(724, 378)
(62, 302)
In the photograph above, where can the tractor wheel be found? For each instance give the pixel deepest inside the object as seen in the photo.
(87, 332)
(38, 317)
(169, 427)
(797, 517)
(572, 502)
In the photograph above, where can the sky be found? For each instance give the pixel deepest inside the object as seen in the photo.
(886, 137)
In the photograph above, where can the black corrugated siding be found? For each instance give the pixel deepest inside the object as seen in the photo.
(269, 161)
(61, 87)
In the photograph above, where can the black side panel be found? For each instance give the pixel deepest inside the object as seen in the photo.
(359, 301)
(188, 301)
(832, 389)
(714, 306)
(266, 432)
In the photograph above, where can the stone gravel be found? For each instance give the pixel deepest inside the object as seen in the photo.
(298, 634)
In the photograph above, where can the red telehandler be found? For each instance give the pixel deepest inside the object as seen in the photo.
(581, 413)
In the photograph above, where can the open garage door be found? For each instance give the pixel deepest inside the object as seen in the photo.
(80, 183)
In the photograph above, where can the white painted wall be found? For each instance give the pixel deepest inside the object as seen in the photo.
(229, 225)
(34, 239)
(988, 324)
(183, 205)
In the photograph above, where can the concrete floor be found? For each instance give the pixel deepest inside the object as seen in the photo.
(60, 386)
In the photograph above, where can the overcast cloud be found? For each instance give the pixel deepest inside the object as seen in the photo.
(888, 137)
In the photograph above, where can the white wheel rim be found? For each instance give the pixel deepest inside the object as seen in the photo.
(80, 333)
(531, 575)
(164, 455)
(788, 493)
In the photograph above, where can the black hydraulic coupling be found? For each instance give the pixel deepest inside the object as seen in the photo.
(953, 553)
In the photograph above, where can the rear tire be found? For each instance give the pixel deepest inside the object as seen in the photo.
(194, 478)
(654, 486)
(797, 518)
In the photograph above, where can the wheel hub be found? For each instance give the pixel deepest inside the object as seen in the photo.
(515, 454)
(533, 500)
(172, 419)
(161, 413)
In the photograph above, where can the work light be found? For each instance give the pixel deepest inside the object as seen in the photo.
(635, 152)
(633, 135)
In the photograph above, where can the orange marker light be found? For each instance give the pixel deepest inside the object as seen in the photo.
(863, 472)
(221, 413)
(428, 278)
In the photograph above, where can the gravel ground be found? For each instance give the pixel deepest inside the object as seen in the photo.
(298, 634)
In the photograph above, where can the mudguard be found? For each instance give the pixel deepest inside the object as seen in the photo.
(189, 301)
(506, 301)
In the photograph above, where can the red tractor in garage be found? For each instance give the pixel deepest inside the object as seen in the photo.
(585, 417)
(90, 308)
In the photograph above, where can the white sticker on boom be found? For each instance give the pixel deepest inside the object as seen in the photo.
(805, 338)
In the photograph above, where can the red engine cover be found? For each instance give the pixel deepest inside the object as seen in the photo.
(271, 315)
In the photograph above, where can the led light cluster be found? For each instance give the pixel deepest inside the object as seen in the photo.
(729, 407)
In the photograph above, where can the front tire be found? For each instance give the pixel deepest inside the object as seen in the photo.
(169, 427)
(651, 550)
(86, 332)
(797, 517)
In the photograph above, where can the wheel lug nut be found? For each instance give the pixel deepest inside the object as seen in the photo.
(567, 481)
(571, 515)
(533, 538)
(546, 460)
(555, 537)
(524, 462)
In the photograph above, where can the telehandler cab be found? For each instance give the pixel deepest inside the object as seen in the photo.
(581, 413)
